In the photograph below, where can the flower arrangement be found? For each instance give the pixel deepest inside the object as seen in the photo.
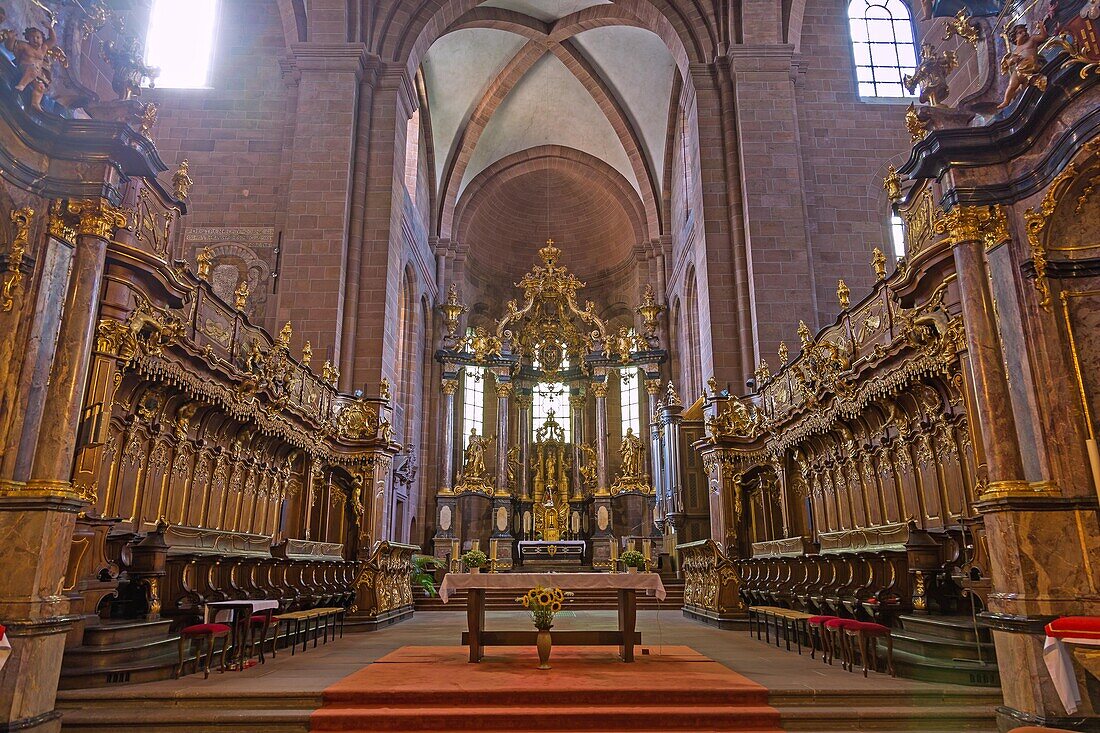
(633, 559)
(543, 603)
(475, 559)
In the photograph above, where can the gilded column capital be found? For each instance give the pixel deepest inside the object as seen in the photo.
(985, 224)
(60, 225)
(524, 401)
(599, 389)
(97, 218)
(577, 401)
(450, 386)
(653, 387)
(504, 389)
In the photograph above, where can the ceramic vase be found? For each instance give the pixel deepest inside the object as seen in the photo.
(543, 642)
(475, 571)
(631, 569)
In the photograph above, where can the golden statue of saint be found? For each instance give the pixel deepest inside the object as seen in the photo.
(632, 452)
(473, 466)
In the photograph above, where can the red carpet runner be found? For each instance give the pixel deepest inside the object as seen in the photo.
(422, 688)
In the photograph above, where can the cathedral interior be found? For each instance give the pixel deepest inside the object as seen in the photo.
(763, 328)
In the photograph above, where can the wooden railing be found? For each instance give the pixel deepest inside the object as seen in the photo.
(711, 582)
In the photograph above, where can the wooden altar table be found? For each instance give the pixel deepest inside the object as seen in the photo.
(627, 584)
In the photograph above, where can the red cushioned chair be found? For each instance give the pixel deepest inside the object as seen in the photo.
(863, 635)
(260, 623)
(815, 629)
(837, 639)
(1036, 729)
(207, 633)
(1075, 627)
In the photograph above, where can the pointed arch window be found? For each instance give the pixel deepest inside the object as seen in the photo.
(883, 46)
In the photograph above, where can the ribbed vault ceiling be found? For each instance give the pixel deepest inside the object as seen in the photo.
(519, 74)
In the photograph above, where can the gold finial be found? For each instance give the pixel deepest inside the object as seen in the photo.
(843, 294)
(649, 310)
(181, 180)
(878, 261)
(712, 385)
(550, 253)
(892, 184)
(284, 335)
(240, 295)
(330, 375)
(804, 334)
(763, 371)
(307, 354)
(784, 353)
(384, 389)
(204, 258)
(452, 310)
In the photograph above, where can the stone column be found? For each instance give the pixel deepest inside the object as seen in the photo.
(501, 506)
(37, 516)
(523, 421)
(601, 502)
(576, 422)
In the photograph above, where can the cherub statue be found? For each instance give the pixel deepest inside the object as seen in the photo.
(181, 180)
(1022, 63)
(32, 57)
(931, 75)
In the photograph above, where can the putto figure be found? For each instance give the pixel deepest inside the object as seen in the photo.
(33, 56)
(931, 75)
(1022, 63)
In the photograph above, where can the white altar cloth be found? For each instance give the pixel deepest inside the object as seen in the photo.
(222, 614)
(1059, 661)
(649, 582)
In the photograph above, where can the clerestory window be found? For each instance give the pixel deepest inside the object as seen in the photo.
(882, 43)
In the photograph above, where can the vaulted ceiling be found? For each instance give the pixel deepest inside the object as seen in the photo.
(519, 75)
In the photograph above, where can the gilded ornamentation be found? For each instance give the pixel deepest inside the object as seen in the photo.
(599, 390)
(148, 119)
(240, 295)
(504, 388)
(147, 331)
(960, 26)
(783, 353)
(550, 326)
(878, 262)
(1036, 223)
(588, 467)
(384, 391)
(931, 75)
(649, 310)
(97, 217)
(671, 398)
(307, 354)
(204, 258)
(151, 224)
(60, 224)
(623, 343)
(181, 181)
(985, 224)
(449, 386)
(359, 420)
(632, 476)
(917, 129)
(734, 420)
(13, 279)
(892, 184)
(330, 375)
(652, 386)
(481, 344)
(452, 310)
(126, 56)
(513, 466)
(475, 475)
(843, 294)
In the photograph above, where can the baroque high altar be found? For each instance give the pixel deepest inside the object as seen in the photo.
(537, 482)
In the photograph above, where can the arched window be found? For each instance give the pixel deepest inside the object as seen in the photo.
(882, 42)
(897, 235)
(473, 402)
(629, 403)
(180, 42)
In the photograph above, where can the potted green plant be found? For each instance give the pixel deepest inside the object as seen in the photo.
(474, 560)
(422, 567)
(633, 560)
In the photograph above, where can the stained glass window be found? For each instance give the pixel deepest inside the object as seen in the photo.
(628, 400)
(882, 43)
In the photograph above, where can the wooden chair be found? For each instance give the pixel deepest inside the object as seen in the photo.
(259, 623)
(838, 640)
(863, 635)
(815, 629)
(201, 633)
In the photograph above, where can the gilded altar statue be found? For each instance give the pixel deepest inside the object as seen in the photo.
(632, 475)
(551, 464)
(513, 465)
(475, 475)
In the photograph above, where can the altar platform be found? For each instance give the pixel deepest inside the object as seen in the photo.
(425, 688)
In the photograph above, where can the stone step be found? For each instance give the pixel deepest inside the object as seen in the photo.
(111, 633)
(107, 656)
(955, 672)
(888, 719)
(960, 628)
(938, 647)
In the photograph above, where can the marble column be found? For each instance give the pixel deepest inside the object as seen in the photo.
(994, 414)
(446, 470)
(576, 423)
(523, 403)
(37, 516)
(504, 393)
(657, 472)
(601, 502)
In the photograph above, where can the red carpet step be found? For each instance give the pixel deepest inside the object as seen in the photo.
(435, 688)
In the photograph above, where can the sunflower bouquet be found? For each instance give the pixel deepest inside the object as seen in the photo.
(543, 603)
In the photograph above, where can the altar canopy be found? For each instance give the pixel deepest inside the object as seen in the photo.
(546, 470)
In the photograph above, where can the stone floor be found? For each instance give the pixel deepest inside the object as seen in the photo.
(316, 669)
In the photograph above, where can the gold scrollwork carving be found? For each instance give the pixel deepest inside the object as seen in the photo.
(21, 218)
(1036, 222)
